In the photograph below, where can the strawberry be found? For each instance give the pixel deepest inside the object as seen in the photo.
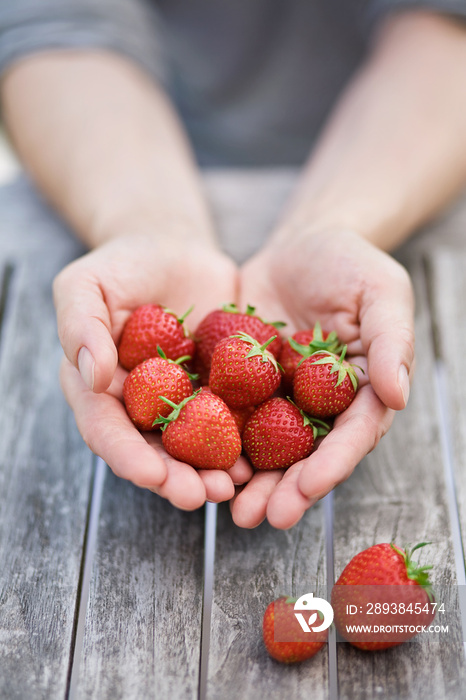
(146, 382)
(151, 325)
(227, 321)
(241, 416)
(382, 587)
(279, 434)
(243, 372)
(303, 344)
(201, 431)
(324, 384)
(279, 623)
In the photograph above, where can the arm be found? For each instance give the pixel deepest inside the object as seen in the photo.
(391, 156)
(105, 147)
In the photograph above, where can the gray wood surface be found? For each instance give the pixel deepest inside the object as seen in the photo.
(447, 266)
(45, 472)
(143, 627)
(252, 568)
(398, 494)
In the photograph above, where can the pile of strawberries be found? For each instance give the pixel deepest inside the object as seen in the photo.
(251, 391)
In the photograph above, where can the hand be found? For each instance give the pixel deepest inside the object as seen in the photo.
(361, 292)
(94, 296)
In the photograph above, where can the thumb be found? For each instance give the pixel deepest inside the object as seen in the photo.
(387, 334)
(84, 326)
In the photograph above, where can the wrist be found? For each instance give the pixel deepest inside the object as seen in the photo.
(306, 220)
(177, 229)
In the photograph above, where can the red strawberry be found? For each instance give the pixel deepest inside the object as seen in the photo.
(303, 344)
(243, 372)
(382, 587)
(241, 416)
(151, 325)
(278, 434)
(202, 432)
(280, 623)
(144, 385)
(324, 384)
(227, 321)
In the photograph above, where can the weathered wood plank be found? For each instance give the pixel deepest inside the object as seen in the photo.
(447, 267)
(143, 626)
(45, 472)
(252, 568)
(398, 494)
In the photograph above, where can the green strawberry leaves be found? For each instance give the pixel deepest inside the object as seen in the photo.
(162, 421)
(339, 366)
(413, 570)
(258, 350)
(319, 427)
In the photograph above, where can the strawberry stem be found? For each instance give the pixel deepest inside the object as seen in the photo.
(164, 421)
(258, 350)
(413, 570)
(183, 318)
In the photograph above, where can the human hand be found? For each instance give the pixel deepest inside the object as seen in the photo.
(94, 296)
(361, 292)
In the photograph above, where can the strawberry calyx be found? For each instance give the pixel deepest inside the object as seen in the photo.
(319, 427)
(180, 319)
(339, 365)
(251, 311)
(162, 421)
(179, 361)
(258, 350)
(332, 343)
(413, 570)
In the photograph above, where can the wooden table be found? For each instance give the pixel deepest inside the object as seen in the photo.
(102, 585)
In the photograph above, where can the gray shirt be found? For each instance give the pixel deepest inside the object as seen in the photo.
(253, 80)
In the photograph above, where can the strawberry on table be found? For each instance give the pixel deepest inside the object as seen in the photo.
(201, 432)
(280, 623)
(228, 320)
(325, 384)
(151, 325)
(278, 434)
(243, 372)
(383, 590)
(147, 381)
(303, 344)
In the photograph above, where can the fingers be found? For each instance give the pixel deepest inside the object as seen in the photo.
(84, 325)
(107, 430)
(249, 507)
(355, 433)
(387, 335)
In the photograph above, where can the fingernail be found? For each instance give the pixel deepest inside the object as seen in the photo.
(403, 381)
(86, 365)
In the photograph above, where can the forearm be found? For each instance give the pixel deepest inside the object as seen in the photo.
(105, 146)
(394, 151)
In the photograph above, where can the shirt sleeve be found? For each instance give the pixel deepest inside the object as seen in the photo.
(377, 9)
(128, 27)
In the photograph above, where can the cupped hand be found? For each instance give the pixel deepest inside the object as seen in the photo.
(363, 294)
(94, 296)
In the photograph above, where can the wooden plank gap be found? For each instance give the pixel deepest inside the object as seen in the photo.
(82, 597)
(441, 391)
(210, 535)
(332, 639)
(430, 291)
(5, 287)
